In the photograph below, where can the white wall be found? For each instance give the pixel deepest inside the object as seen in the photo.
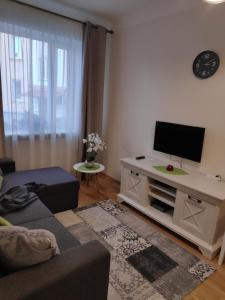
(152, 79)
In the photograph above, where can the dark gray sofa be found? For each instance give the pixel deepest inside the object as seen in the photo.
(80, 272)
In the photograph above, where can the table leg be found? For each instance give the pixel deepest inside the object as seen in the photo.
(88, 179)
(97, 182)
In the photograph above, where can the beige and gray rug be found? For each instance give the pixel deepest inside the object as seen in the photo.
(145, 265)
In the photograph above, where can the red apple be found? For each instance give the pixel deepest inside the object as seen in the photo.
(169, 168)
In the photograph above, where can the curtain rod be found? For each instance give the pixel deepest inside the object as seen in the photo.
(59, 15)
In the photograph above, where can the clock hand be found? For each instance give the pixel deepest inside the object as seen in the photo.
(201, 69)
(209, 62)
(213, 59)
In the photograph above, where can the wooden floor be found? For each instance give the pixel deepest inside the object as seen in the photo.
(107, 188)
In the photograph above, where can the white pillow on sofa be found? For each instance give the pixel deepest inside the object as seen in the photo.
(21, 247)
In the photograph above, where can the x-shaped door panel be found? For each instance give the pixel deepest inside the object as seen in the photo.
(192, 214)
(133, 185)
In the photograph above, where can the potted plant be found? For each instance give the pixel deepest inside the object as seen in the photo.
(94, 144)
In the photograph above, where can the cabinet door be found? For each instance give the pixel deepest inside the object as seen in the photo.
(134, 185)
(196, 216)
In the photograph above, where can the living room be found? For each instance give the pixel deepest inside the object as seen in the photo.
(85, 77)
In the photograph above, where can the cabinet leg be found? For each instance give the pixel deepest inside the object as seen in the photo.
(222, 253)
(119, 199)
(207, 253)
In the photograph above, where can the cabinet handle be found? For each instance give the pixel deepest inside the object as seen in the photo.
(196, 200)
(132, 172)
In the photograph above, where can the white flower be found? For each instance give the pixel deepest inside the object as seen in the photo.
(94, 143)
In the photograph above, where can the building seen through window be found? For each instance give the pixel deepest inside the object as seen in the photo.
(29, 64)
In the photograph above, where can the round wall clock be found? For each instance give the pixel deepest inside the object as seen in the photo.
(206, 64)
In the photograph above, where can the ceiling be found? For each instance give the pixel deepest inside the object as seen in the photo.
(106, 8)
(118, 13)
(114, 9)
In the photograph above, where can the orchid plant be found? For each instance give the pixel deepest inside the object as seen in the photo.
(94, 143)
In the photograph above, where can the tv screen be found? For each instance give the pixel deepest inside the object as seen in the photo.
(179, 140)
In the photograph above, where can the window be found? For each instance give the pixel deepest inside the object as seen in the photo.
(41, 94)
(41, 80)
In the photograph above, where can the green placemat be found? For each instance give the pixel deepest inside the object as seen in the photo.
(176, 171)
(83, 168)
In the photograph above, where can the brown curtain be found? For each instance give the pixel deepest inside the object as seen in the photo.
(2, 137)
(93, 78)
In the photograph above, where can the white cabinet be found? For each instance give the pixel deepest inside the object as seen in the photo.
(190, 205)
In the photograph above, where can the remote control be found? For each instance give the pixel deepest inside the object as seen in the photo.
(140, 157)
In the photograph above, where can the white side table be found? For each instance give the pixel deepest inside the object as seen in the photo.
(81, 168)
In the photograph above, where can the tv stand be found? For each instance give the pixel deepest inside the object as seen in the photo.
(195, 204)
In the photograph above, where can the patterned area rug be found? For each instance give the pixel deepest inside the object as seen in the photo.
(145, 265)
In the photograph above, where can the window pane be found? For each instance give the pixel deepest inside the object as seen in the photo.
(61, 82)
(16, 89)
(61, 68)
(39, 63)
(15, 45)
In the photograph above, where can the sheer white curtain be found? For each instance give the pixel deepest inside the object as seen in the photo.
(41, 72)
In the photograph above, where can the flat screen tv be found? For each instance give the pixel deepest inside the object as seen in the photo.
(179, 140)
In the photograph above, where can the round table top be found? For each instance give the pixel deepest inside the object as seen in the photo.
(80, 167)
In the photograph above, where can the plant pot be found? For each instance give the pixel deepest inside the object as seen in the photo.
(90, 159)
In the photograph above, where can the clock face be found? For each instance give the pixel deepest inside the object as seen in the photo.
(206, 64)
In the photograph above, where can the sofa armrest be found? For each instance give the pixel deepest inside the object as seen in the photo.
(7, 165)
(80, 273)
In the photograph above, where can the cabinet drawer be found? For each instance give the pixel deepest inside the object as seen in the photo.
(195, 215)
(134, 185)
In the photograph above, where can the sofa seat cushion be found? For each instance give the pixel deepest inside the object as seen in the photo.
(33, 211)
(60, 193)
(64, 238)
(49, 176)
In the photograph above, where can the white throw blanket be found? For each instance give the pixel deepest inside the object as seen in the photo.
(21, 247)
